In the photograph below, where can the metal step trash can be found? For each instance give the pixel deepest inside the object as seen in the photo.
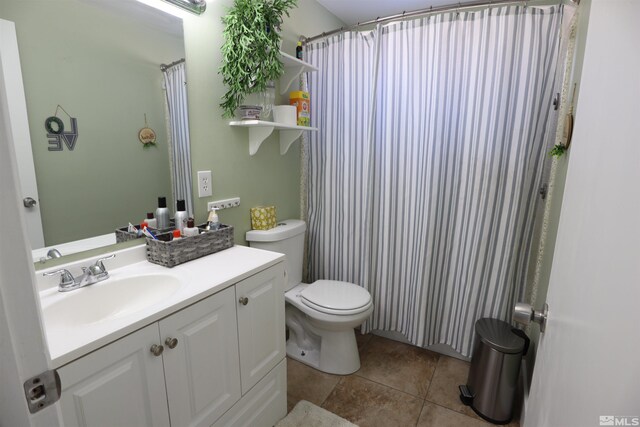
(495, 366)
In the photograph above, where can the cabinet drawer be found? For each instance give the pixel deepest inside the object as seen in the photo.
(264, 405)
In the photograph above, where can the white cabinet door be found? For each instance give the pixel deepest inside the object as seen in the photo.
(260, 301)
(121, 384)
(202, 370)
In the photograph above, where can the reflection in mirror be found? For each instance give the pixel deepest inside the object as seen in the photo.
(98, 62)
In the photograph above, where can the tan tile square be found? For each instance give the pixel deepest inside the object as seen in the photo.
(449, 374)
(401, 366)
(306, 383)
(433, 415)
(369, 404)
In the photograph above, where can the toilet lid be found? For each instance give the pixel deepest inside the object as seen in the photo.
(335, 296)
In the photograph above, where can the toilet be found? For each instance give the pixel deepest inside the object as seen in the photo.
(320, 316)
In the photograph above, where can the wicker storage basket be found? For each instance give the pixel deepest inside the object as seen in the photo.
(123, 235)
(170, 253)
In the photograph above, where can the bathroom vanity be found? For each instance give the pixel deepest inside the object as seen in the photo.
(201, 344)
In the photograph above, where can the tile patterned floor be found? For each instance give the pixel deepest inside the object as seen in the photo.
(397, 385)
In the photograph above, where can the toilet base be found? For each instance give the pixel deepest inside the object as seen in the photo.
(335, 352)
(308, 357)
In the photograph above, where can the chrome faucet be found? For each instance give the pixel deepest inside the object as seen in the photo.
(95, 273)
(53, 253)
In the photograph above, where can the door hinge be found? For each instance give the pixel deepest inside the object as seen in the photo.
(543, 191)
(42, 390)
(556, 101)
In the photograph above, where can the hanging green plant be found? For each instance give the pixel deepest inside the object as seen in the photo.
(558, 150)
(250, 54)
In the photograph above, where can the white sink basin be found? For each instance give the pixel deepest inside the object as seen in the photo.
(110, 299)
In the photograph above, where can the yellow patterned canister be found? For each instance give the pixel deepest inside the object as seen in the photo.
(263, 217)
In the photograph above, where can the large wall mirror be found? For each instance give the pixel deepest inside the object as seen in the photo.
(97, 61)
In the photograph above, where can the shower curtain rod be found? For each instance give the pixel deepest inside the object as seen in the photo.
(164, 67)
(426, 11)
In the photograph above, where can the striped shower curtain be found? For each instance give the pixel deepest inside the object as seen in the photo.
(180, 144)
(423, 176)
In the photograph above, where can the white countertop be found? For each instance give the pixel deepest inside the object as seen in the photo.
(201, 277)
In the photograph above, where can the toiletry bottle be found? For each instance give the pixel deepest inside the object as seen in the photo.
(190, 229)
(213, 223)
(176, 235)
(162, 213)
(151, 221)
(181, 215)
(299, 51)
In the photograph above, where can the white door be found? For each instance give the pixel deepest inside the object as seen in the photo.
(588, 361)
(201, 362)
(260, 300)
(19, 129)
(121, 384)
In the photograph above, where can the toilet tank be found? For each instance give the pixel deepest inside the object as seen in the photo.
(286, 238)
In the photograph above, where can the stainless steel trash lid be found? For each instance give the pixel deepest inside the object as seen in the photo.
(497, 335)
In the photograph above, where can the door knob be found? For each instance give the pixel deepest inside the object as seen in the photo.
(243, 300)
(29, 202)
(525, 314)
(171, 342)
(156, 349)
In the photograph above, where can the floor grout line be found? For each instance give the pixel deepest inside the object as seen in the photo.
(460, 413)
(388, 386)
(420, 413)
(432, 377)
(332, 390)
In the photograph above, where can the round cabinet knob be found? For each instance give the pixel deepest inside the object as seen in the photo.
(157, 350)
(171, 342)
(244, 300)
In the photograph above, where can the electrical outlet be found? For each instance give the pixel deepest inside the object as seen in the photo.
(204, 184)
(224, 204)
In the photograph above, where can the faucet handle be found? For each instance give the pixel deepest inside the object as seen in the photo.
(66, 278)
(99, 263)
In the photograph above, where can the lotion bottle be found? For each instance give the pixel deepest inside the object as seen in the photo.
(190, 229)
(181, 215)
(162, 213)
(151, 221)
(213, 223)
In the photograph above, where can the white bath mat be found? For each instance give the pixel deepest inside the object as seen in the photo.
(306, 414)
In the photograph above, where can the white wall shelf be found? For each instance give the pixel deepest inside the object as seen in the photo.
(293, 67)
(259, 130)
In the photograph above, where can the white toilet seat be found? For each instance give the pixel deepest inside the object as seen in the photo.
(336, 297)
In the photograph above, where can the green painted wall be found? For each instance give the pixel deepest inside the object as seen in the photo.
(266, 178)
(102, 66)
(109, 178)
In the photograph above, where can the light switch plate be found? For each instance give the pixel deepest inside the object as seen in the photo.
(204, 184)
